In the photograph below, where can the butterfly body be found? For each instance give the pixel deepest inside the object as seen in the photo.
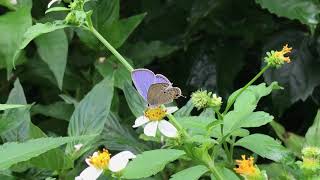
(156, 89)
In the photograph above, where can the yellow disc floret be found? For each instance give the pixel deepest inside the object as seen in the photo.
(246, 166)
(100, 160)
(155, 114)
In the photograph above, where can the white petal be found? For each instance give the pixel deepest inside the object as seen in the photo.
(140, 121)
(167, 129)
(88, 162)
(51, 2)
(90, 173)
(151, 128)
(119, 161)
(171, 110)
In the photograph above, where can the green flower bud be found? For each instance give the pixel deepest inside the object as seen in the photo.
(202, 99)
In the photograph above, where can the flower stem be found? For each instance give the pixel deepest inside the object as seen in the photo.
(214, 171)
(112, 49)
(173, 120)
(244, 88)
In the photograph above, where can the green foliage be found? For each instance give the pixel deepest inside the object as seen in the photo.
(53, 50)
(192, 173)
(292, 141)
(150, 162)
(312, 135)
(136, 103)
(91, 113)
(305, 11)
(18, 22)
(73, 63)
(267, 146)
(118, 138)
(243, 115)
(10, 106)
(12, 153)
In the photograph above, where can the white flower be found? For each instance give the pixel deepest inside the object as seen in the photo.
(77, 147)
(100, 161)
(52, 2)
(153, 120)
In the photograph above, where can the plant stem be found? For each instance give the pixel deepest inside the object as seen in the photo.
(112, 49)
(231, 148)
(244, 88)
(173, 120)
(214, 170)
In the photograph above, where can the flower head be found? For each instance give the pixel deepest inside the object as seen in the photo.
(311, 151)
(310, 160)
(153, 119)
(278, 58)
(203, 99)
(246, 166)
(101, 161)
(248, 170)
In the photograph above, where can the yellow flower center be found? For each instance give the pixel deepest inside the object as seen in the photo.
(246, 167)
(155, 114)
(280, 54)
(101, 160)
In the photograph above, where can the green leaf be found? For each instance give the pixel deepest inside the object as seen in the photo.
(118, 32)
(105, 19)
(251, 96)
(10, 106)
(196, 124)
(238, 119)
(17, 120)
(111, 66)
(118, 137)
(150, 163)
(305, 11)
(226, 174)
(298, 78)
(91, 113)
(143, 53)
(266, 147)
(192, 173)
(8, 3)
(185, 110)
(53, 50)
(292, 141)
(313, 133)
(58, 110)
(13, 152)
(57, 9)
(39, 29)
(17, 22)
(136, 103)
(243, 115)
(276, 171)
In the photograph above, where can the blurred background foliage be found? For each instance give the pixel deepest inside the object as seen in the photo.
(216, 45)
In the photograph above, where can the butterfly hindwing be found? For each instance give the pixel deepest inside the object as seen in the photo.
(162, 93)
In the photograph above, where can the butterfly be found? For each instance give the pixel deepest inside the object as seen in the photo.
(156, 89)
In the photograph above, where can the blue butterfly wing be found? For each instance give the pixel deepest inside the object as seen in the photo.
(142, 80)
(159, 78)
